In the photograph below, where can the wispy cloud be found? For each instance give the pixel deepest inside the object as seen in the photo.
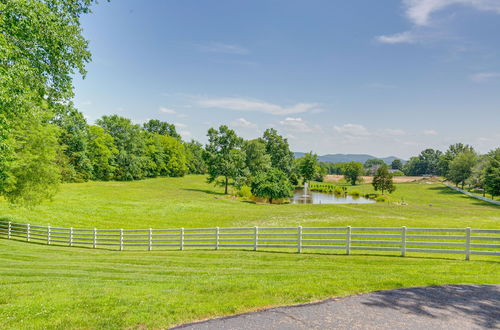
(243, 123)
(407, 37)
(430, 132)
(484, 76)
(240, 104)
(296, 125)
(352, 130)
(223, 48)
(167, 111)
(393, 132)
(180, 125)
(420, 12)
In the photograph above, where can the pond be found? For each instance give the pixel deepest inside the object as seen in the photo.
(326, 198)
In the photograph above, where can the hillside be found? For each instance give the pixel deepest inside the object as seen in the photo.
(342, 158)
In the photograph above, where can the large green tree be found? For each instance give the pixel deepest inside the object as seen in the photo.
(461, 166)
(130, 140)
(279, 150)
(273, 184)
(257, 159)
(194, 157)
(450, 154)
(41, 48)
(224, 157)
(102, 152)
(161, 127)
(492, 173)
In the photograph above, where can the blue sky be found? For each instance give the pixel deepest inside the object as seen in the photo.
(385, 77)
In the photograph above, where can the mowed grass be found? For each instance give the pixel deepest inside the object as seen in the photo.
(191, 202)
(57, 287)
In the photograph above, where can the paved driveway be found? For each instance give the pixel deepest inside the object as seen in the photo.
(435, 307)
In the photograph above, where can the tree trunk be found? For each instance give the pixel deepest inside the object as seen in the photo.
(462, 185)
(270, 200)
(225, 188)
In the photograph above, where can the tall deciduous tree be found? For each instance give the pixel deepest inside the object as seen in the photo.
(41, 47)
(308, 166)
(194, 156)
(352, 172)
(397, 164)
(450, 154)
(224, 157)
(162, 128)
(461, 167)
(382, 180)
(257, 159)
(492, 173)
(279, 150)
(102, 152)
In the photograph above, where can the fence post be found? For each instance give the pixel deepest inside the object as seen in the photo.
(182, 239)
(28, 236)
(299, 239)
(150, 244)
(121, 239)
(71, 236)
(95, 238)
(48, 235)
(348, 241)
(217, 238)
(467, 243)
(10, 228)
(255, 238)
(403, 241)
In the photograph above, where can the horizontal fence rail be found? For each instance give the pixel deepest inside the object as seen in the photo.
(403, 240)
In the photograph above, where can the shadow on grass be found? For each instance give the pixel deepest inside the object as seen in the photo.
(480, 303)
(448, 191)
(206, 191)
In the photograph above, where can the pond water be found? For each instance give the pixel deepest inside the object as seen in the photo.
(314, 197)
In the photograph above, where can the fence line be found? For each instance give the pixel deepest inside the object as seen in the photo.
(465, 241)
(486, 199)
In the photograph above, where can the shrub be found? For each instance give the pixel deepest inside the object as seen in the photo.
(397, 173)
(355, 193)
(245, 191)
(381, 198)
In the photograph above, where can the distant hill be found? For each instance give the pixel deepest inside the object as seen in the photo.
(342, 158)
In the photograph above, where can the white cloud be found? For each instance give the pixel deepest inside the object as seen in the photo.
(419, 11)
(484, 76)
(296, 125)
(217, 47)
(393, 132)
(352, 130)
(243, 123)
(430, 132)
(180, 125)
(87, 102)
(240, 104)
(186, 135)
(407, 37)
(167, 111)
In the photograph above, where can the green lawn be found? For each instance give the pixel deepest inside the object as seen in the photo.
(60, 287)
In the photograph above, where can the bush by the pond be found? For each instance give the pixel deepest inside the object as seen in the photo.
(327, 188)
(381, 198)
(354, 193)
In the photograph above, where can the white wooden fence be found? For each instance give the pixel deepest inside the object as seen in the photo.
(403, 240)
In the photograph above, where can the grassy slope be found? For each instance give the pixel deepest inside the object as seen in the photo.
(58, 287)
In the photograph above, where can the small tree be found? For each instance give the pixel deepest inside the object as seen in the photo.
(272, 184)
(308, 166)
(383, 180)
(397, 164)
(353, 172)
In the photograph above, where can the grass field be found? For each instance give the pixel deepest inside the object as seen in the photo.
(59, 287)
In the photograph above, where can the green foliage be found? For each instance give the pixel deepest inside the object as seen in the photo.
(397, 164)
(308, 166)
(279, 150)
(102, 153)
(74, 140)
(194, 157)
(354, 193)
(383, 180)
(492, 173)
(397, 173)
(381, 199)
(373, 162)
(32, 173)
(166, 156)
(450, 154)
(460, 168)
(353, 172)
(257, 159)
(427, 163)
(130, 141)
(161, 127)
(245, 191)
(224, 157)
(272, 184)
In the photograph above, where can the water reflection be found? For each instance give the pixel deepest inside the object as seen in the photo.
(325, 198)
